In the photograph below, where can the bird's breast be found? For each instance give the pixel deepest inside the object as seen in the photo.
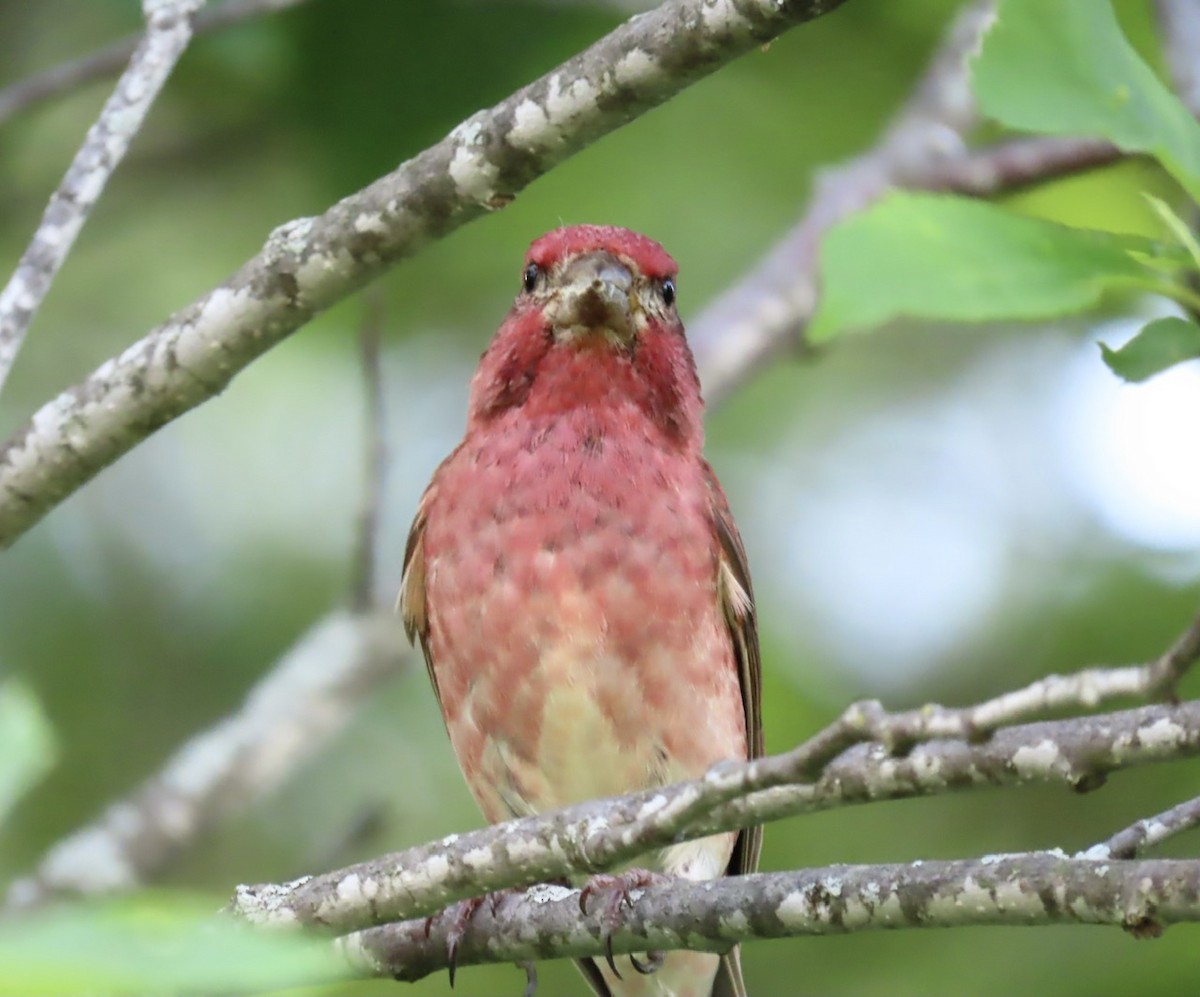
(574, 620)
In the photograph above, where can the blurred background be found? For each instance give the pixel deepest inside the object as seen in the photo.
(930, 513)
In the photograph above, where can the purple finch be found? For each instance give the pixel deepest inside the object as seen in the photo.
(575, 577)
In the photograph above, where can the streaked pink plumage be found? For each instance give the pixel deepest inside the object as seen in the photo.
(574, 574)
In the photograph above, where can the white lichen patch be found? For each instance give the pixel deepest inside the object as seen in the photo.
(926, 766)
(474, 175)
(1095, 853)
(433, 870)
(1032, 760)
(636, 67)
(1161, 735)
(223, 309)
(291, 237)
(478, 858)
(548, 893)
(268, 904)
(522, 849)
(530, 124)
(349, 890)
(794, 910)
(565, 104)
(652, 806)
(370, 221)
(720, 15)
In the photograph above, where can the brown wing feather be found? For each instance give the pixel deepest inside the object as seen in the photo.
(737, 600)
(411, 601)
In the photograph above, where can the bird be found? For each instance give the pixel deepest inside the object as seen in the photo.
(575, 578)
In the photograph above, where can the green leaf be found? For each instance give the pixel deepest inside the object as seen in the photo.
(1161, 344)
(1063, 66)
(950, 258)
(156, 944)
(1177, 226)
(27, 747)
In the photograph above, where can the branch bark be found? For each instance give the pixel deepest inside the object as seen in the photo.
(1077, 753)
(308, 264)
(1148, 832)
(1018, 890)
(168, 31)
(284, 720)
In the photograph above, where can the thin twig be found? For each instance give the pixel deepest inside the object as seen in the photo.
(366, 536)
(71, 75)
(1025, 889)
(168, 31)
(1132, 841)
(1087, 689)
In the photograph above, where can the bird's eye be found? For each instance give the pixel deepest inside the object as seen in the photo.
(529, 278)
(668, 291)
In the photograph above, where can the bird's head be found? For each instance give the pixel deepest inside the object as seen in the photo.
(596, 308)
(594, 280)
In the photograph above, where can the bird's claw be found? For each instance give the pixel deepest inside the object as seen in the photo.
(618, 890)
(459, 917)
(654, 962)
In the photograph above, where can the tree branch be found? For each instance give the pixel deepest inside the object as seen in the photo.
(286, 718)
(310, 263)
(67, 76)
(1077, 753)
(1148, 832)
(168, 31)
(1025, 890)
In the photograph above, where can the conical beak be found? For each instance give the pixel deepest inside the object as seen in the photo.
(596, 295)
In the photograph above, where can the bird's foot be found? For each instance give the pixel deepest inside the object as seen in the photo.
(617, 891)
(458, 916)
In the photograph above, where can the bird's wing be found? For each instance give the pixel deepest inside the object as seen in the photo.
(737, 602)
(411, 601)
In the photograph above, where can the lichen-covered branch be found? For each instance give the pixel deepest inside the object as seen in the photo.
(305, 699)
(168, 31)
(1132, 841)
(68, 76)
(310, 263)
(1077, 753)
(1022, 890)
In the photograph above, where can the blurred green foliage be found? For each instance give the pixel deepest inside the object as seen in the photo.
(143, 608)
